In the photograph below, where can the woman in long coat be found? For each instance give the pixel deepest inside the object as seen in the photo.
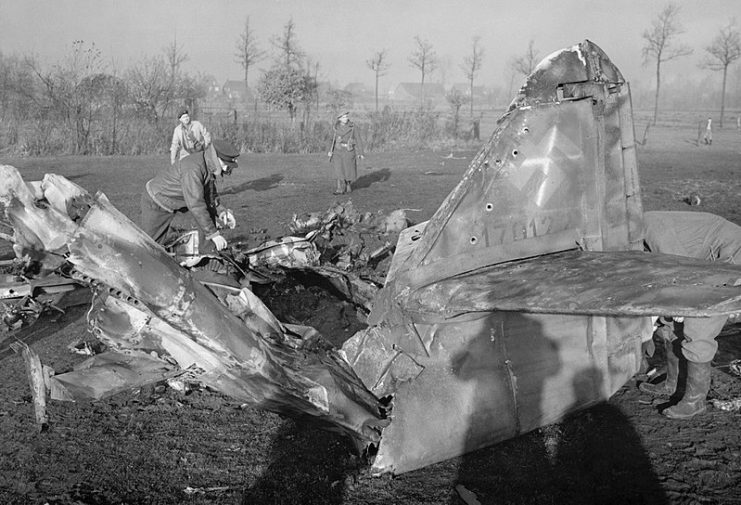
(344, 153)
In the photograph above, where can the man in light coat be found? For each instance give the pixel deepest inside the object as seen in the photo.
(189, 136)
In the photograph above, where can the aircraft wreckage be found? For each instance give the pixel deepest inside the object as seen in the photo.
(525, 297)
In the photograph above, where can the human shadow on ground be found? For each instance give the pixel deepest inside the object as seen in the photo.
(365, 181)
(263, 184)
(308, 465)
(593, 456)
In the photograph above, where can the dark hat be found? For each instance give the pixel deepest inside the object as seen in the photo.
(343, 114)
(226, 152)
(181, 111)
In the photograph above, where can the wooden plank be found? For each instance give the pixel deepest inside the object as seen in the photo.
(36, 380)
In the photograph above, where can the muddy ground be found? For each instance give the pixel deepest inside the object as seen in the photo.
(159, 446)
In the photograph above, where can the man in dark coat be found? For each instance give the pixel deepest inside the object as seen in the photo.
(690, 340)
(344, 153)
(190, 185)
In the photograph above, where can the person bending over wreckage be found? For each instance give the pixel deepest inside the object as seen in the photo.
(690, 342)
(190, 185)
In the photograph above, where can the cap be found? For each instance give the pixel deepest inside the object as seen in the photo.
(343, 114)
(226, 152)
(182, 111)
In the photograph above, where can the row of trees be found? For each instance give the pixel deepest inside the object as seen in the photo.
(85, 104)
(661, 45)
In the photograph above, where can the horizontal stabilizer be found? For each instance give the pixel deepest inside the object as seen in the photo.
(615, 283)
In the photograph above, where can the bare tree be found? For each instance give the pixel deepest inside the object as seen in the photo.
(248, 53)
(316, 80)
(117, 94)
(175, 57)
(18, 91)
(380, 66)
(725, 49)
(71, 88)
(151, 88)
(425, 60)
(311, 91)
(455, 100)
(289, 54)
(659, 45)
(472, 64)
(526, 63)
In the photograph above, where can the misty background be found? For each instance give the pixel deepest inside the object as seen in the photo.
(116, 49)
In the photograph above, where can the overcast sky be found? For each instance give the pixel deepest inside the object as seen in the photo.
(341, 35)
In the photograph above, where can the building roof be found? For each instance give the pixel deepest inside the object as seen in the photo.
(408, 90)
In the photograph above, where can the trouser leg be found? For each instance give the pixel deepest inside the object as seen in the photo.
(155, 221)
(698, 342)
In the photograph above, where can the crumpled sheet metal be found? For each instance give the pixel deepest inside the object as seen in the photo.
(289, 252)
(488, 377)
(380, 361)
(259, 367)
(106, 374)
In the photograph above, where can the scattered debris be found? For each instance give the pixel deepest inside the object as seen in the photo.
(203, 490)
(735, 367)
(693, 199)
(467, 496)
(86, 348)
(157, 318)
(551, 441)
(727, 405)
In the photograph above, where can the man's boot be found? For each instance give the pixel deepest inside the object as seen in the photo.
(348, 187)
(695, 393)
(669, 385)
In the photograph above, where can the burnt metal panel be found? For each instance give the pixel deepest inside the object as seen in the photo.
(582, 282)
(501, 374)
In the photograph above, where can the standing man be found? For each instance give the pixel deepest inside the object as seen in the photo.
(190, 136)
(690, 341)
(344, 153)
(190, 185)
(708, 137)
